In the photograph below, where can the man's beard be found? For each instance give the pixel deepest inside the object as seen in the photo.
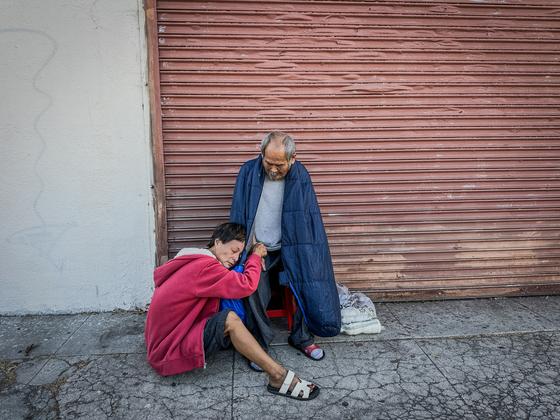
(276, 176)
(273, 175)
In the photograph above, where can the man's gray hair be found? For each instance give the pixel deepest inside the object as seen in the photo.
(287, 141)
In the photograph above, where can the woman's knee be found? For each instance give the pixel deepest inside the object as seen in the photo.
(233, 321)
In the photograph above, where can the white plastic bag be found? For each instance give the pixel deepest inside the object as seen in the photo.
(358, 313)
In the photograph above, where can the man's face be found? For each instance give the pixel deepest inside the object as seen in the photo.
(275, 163)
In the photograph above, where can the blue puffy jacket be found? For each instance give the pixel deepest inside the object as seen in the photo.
(305, 250)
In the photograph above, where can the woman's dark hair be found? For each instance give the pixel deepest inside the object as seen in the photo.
(228, 232)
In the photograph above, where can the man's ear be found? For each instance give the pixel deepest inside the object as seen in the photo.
(293, 159)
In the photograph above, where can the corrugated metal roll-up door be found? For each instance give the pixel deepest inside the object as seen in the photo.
(430, 129)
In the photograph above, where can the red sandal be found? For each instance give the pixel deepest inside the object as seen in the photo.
(307, 350)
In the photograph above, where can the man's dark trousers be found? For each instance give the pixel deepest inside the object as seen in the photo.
(256, 318)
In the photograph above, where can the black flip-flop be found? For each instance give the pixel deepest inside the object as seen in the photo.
(290, 342)
(301, 386)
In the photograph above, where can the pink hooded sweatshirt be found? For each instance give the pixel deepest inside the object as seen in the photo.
(188, 292)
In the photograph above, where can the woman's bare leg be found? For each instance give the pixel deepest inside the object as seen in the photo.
(245, 343)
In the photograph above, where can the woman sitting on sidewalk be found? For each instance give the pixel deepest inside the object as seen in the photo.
(184, 327)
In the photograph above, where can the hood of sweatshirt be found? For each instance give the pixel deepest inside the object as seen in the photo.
(184, 256)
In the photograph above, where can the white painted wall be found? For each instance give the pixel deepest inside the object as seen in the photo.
(77, 223)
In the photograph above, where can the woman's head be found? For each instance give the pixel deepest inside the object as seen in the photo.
(227, 243)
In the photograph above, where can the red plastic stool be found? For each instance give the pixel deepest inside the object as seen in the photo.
(288, 310)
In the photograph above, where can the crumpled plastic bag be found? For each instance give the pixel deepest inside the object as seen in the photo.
(358, 313)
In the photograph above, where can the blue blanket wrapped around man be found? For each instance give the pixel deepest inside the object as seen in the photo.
(306, 257)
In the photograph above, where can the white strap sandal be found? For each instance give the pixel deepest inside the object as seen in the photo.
(302, 387)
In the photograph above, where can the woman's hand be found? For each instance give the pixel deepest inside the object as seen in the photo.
(258, 249)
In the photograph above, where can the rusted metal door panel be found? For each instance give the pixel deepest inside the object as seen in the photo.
(431, 131)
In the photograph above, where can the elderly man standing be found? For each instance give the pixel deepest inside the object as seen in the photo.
(275, 200)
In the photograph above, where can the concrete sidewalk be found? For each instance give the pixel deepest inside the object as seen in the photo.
(464, 359)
